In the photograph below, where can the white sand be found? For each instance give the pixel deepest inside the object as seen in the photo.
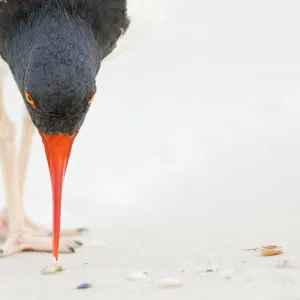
(191, 156)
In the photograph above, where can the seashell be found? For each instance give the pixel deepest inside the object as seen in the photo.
(270, 250)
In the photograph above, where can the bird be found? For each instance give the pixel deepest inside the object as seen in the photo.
(54, 50)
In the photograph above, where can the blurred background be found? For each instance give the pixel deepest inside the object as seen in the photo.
(194, 137)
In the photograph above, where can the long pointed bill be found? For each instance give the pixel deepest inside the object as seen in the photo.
(58, 148)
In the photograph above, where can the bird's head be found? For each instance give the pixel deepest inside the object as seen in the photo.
(58, 85)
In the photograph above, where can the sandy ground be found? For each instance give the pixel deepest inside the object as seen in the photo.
(189, 154)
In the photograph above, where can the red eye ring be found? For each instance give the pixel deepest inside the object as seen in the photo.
(29, 99)
(92, 98)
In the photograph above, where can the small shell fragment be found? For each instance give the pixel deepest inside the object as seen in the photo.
(285, 264)
(270, 250)
(136, 276)
(170, 283)
(52, 269)
(208, 270)
(84, 286)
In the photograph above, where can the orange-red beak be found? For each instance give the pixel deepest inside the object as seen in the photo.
(58, 149)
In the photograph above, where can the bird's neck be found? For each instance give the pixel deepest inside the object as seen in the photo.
(49, 35)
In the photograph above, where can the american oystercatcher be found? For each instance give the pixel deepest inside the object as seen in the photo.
(54, 49)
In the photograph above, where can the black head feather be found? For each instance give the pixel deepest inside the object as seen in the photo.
(54, 49)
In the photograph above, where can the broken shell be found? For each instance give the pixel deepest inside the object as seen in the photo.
(52, 269)
(136, 276)
(208, 270)
(285, 264)
(55, 267)
(270, 250)
(84, 286)
(169, 283)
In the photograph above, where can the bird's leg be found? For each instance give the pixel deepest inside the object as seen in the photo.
(19, 238)
(9, 167)
(26, 139)
(27, 134)
(15, 213)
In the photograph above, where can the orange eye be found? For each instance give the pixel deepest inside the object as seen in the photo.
(29, 99)
(91, 99)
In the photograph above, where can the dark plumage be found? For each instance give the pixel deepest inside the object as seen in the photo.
(54, 49)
